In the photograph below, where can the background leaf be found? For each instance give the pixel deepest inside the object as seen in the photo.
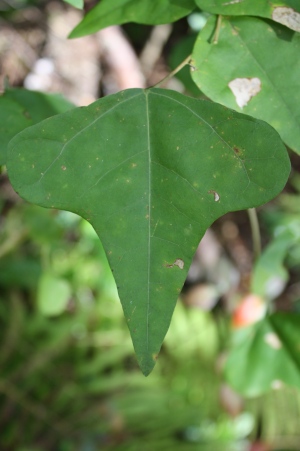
(117, 12)
(284, 12)
(150, 170)
(247, 49)
(20, 108)
(266, 356)
(53, 294)
(76, 3)
(269, 275)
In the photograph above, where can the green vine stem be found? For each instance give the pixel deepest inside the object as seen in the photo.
(186, 61)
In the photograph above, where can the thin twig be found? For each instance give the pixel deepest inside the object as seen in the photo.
(255, 231)
(217, 30)
(174, 72)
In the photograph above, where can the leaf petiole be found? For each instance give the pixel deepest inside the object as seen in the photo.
(217, 30)
(186, 61)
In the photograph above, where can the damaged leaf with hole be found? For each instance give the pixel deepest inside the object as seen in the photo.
(284, 12)
(240, 71)
(288, 17)
(244, 89)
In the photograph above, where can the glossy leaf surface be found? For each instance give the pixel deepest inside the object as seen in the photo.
(150, 170)
(266, 356)
(261, 63)
(20, 108)
(285, 12)
(117, 12)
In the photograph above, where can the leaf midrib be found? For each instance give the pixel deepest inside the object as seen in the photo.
(214, 131)
(149, 214)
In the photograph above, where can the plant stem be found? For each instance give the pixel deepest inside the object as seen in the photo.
(217, 30)
(256, 238)
(174, 72)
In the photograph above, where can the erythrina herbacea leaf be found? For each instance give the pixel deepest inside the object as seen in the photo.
(273, 345)
(284, 12)
(117, 12)
(150, 170)
(251, 80)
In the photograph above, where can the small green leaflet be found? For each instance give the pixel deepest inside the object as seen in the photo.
(150, 170)
(117, 12)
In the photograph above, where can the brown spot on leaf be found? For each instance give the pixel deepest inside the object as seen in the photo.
(237, 150)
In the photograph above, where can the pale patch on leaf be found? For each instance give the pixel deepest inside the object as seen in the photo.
(272, 340)
(216, 195)
(274, 286)
(232, 2)
(244, 89)
(287, 16)
(277, 384)
(178, 262)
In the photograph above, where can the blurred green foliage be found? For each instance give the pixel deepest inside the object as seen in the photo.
(69, 379)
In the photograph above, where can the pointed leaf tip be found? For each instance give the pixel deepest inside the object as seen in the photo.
(150, 170)
(147, 363)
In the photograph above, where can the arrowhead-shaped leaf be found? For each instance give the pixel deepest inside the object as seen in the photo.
(266, 356)
(150, 170)
(20, 108)
(285, 12)
(117, 12)
(254, 68)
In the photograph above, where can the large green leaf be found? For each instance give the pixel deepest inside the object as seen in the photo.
(285, 12)
(256, 60)
(150, 170)
(20, 108)
(117, 12)
(266, 356)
